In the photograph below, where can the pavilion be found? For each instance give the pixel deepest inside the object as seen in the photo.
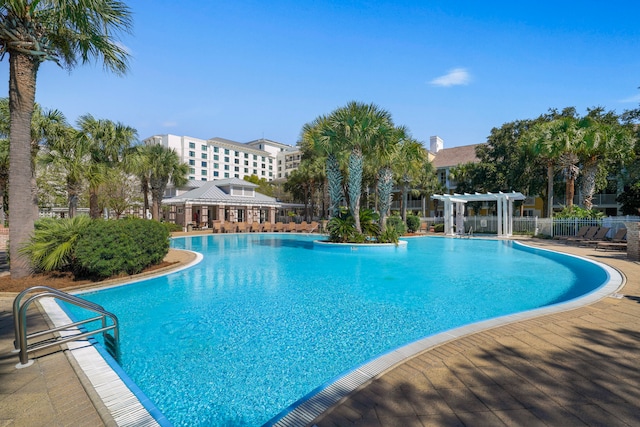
(454, 205)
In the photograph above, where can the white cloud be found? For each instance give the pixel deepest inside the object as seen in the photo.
(632, 99)
(169, 124)
(455, 77)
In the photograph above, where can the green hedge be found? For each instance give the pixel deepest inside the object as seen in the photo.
(413, 223)
(108, 248)
(397, 223)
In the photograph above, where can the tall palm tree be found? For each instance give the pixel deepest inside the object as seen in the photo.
(71, 152)
(408, 165)
(164, 166)
(356, 127)
(107, 142)
(604, 144)
(31, 32)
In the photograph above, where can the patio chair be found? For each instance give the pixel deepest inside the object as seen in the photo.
(216, 226)
(266, 227)
(303, 227)
(241, 227)
(313, 227)
(579, 235)
(424, 226)
(278, 227)
(229, 227)
(591, 232)
(600, 236)
(291, 227)
(617, 242)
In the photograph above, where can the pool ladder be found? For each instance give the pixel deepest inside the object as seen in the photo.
(111, 341)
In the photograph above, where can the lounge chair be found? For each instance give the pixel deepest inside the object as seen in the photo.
(424, 226)
(229, 227)
(591, 232)
(291, 227)
(600, 236)
(579, 235)
(303, 227)
(266, 227)
(313, 227)
(618, 242)
(241, 227)
(216, 227)
(278, 227)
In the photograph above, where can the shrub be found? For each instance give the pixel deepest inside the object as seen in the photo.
(397, 223)
(53, 245)
(390, 235)
(108, 248)
(578, 212)
(171, 227)
(341, 228)
(413, 223)
(438, 228)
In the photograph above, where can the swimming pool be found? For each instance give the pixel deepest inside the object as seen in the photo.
(265, 319)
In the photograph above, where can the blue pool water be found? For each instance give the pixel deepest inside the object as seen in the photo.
(265, 319)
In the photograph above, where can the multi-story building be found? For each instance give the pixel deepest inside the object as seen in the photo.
(219, 158)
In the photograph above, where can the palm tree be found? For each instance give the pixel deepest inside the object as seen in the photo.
(31, 32)
(385, 150)
(408, 165)
(71, 152)
(356, 127)
(107, 142)
(606, 142)
(164, 166)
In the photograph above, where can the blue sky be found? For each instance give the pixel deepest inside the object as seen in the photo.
(244, 70)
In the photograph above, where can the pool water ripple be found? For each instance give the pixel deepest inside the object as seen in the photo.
(265, 319)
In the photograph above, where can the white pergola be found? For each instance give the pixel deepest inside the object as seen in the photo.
(454, 209)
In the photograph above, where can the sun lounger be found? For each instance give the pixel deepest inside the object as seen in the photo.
(216, 227)
(303, 227)
(600, 236)
(591, 232)
(266, 227)
(241, 227)
(313, 227)
(291, 227)
(278, 227)
(618, 242)
(579, 235)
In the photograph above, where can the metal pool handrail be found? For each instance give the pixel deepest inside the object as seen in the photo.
(20, 323)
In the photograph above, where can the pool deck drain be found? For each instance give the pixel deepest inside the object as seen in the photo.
(576, 367)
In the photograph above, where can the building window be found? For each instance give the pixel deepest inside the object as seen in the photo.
(246, 162)
(270, 174)
(192, 162)
(236, 161)
(246, 155)
(203, 179)
(237, 169)
(204, 155)
(226, 159)
(215, 149)
(246, 170)
(263, 158)
(203, 172)
(192, 170)
(226, 167)
(255, 172)
(270, 168)
(215, 165)
(236, 175)
(226, 175)
(216, 157)
(263, 173)
(237, 154)
(192, 178)
(192, 145)
(192, 153)
(215, 173)
(203, 147)
(255, 157)
(203, 164)
(226, 151)
(270, 160)
(264, 166)
(255, 164)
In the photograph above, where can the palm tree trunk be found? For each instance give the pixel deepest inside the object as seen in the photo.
(355, 186)
(589, 185)
(94, 208)
(549, 190)
(23, 202)
(570, 191)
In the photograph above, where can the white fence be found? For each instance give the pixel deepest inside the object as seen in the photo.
(540, 226)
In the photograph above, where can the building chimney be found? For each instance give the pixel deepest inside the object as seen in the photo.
(435, 144)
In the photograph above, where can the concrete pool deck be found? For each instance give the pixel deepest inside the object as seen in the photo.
(577, 367)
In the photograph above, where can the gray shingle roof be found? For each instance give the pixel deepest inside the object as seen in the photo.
(214, 192)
